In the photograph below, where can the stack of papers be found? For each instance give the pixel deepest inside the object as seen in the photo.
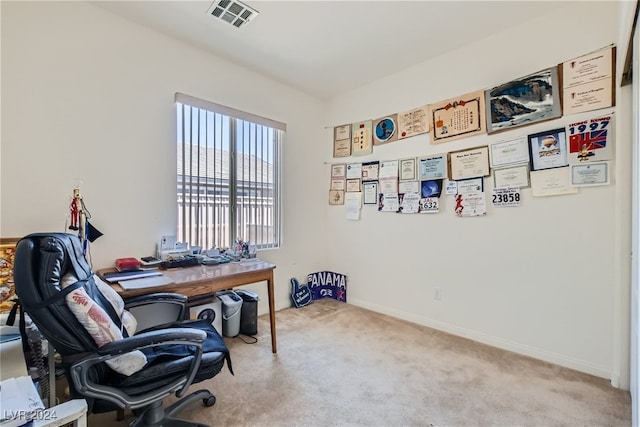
(146, 282)
(19, 401)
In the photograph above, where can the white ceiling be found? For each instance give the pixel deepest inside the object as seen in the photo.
(326, 47)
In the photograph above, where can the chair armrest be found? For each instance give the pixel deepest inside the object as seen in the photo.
(81, 371)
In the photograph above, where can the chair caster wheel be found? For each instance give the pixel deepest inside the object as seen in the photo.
(209, 401)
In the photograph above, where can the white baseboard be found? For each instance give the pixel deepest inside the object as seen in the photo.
(557, 359)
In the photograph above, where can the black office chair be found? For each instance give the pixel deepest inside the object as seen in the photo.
(178, 354)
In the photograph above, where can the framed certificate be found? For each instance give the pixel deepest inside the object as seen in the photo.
(589, 81)
(469, 163)
(548, 149)
(590, 174)
(338, 184)
(413, 122)
(408, 169)
(551, 182)
(432, 167)
(457, 117)
(370, 190)
(338, 170)
(353, 185)
(509, 152)
(514, 176)
(342, 141)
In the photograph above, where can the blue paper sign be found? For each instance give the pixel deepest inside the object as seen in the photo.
(300, 294)
(327, 284)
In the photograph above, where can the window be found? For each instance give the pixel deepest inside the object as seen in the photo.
(228, 175)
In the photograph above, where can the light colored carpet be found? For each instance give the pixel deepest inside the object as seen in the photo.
(341, 365)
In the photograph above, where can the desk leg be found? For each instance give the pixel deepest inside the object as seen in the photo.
(272, 312)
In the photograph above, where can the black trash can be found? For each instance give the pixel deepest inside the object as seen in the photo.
(249, 312)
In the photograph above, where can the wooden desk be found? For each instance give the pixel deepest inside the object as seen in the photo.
(200, 280)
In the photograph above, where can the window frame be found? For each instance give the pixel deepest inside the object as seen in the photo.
(236, 184)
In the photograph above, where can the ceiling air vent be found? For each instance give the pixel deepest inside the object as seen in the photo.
(233, 12)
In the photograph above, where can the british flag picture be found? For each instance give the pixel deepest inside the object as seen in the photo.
(591, 140)
(588, 141)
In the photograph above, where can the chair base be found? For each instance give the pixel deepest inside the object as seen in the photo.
(156, 416)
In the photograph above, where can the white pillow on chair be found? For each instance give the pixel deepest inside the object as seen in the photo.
(100, 326)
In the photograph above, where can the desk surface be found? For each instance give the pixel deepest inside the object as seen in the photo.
(213, 278)
(202, 280)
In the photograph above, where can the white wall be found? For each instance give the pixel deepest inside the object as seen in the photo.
(89, 96)
(541, 279)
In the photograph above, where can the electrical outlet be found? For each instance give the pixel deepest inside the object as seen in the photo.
(437, 294)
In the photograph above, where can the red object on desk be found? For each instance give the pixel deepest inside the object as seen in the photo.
(127, 264)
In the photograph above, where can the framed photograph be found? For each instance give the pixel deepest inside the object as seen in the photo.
(7, 259)
(548, 149)
(408, 169)
(524, 101)
(370, 190)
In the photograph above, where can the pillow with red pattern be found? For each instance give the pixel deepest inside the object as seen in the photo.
(100, 326)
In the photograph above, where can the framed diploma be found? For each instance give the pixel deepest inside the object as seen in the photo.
(588, 81)
(432, 167)
(469, 163)
(548, 149)
(338, 184)
(370, 190)
(513, 176)
(408, 169)
(336, 197)
(385, 129)
(338, 170)
(413, 122)
(457, 117)
(590, 174)
(342, 141)
(551, 182)
(591, 140)
(524, 101)
(361, 143)
(509, 152)
(353, 185)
